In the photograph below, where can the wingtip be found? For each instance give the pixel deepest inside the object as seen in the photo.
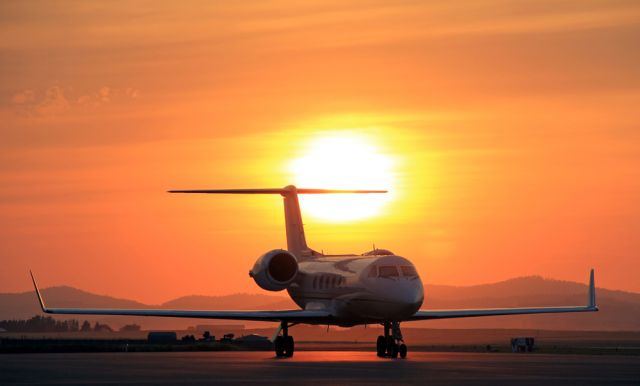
(592, 291)
(38, 294)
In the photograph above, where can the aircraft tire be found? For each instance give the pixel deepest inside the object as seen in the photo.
(381, 346)
(403, 351)
(393, 352)
(279, 346)
(390, 347)
(288, 346)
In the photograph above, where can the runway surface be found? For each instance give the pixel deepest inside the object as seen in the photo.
(330, 368)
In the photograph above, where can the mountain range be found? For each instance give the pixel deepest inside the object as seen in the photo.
(618, 310)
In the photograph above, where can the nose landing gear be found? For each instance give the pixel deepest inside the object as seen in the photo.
(284, 344)
(391, 344)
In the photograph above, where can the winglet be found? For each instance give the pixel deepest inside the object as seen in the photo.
(592, 292)
(44, 309)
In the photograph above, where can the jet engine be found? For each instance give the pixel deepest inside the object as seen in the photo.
(275, 270)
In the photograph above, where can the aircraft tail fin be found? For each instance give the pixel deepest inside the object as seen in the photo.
(296, 241)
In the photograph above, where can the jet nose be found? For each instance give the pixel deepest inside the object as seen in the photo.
(405, 296)
(413, 292)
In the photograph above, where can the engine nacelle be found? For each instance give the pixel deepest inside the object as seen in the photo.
(275, 270)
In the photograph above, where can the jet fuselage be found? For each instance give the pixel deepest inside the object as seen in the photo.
(359, 289)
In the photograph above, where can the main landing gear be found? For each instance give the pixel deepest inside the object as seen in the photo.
(284, 343)
(391, 344)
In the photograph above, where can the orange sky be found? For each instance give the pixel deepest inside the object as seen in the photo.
(511, 127)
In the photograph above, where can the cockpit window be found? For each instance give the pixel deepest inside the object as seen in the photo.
(408, 271)
(387, 271)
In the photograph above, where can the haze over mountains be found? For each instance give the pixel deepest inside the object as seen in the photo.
(618, 310)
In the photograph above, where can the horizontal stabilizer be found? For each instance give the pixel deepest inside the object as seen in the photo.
(296, 240)
(276, 191)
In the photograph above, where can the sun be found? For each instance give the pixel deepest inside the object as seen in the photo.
(343, 161)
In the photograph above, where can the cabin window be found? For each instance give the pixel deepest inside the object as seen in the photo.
(388, 271)
(409, 271)
(374, 271)
(315, 282)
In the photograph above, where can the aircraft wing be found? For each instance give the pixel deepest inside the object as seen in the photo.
(306, 316)
(448, 314)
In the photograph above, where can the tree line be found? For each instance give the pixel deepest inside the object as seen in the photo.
(48, 324)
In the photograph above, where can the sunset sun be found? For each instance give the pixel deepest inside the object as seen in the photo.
(343, 161)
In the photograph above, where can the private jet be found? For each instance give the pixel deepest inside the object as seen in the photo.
(376, 287)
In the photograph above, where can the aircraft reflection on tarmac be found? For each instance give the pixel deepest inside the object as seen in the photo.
(311, 367)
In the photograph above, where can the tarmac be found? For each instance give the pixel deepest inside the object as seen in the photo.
(329, 368)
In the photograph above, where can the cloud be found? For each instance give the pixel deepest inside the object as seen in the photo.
(54, 102)
(103, 94)
(51, 101)
(22, 97)
(57, 100)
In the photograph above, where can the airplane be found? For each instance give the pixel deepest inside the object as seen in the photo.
(376, 287)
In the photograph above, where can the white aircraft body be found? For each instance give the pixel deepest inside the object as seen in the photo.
(377, 287)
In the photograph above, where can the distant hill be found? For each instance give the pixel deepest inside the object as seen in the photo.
(618, 310)
(25, 305)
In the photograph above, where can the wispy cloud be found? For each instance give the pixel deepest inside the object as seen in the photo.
(58, 100)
